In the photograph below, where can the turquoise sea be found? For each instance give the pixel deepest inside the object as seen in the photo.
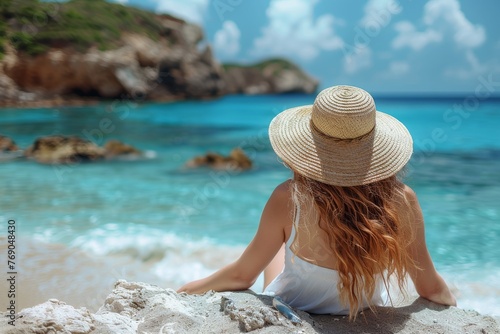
(81, 227)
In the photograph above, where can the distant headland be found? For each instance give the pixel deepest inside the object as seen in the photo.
(84, 51)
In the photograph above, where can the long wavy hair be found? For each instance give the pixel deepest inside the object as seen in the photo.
(364, 231)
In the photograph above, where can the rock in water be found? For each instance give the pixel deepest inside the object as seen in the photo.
(115, 148)
(63, 150)
(241, 160)
(236, 161)
(7, 144)
(8, 149)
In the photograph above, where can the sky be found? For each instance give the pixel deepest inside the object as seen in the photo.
(384, 46)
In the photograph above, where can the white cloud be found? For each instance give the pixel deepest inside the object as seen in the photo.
(227, 39)
(359, 60)
(399, 67)
(445, 19)
(441, 18)
(378, 13)
(464, 32)
(408, 36)
(293, 31)
(189, 10)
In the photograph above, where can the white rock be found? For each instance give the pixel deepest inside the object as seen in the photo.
(58, 316)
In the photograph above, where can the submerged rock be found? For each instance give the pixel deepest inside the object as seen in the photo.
(115, 148)
(8, 149)
(236, 161)
(62, 149)
(7, 144)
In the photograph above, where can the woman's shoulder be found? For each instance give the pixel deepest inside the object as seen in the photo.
(407, 205)
(284, 189)
(278, 211)
(281, 197)
(409, 197)
(409, 193)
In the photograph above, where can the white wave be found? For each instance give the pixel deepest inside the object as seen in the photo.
(476, 288)
(150, 154)
(171, 258)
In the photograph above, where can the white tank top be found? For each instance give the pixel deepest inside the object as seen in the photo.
(312, 288)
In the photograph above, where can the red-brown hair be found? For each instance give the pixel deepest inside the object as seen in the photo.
(364, 230)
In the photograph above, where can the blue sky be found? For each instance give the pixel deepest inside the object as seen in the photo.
(384, 46)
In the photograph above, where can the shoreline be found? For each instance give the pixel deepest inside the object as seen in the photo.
(91, 101)
(139, 307)
(49, 103)
(80, 102)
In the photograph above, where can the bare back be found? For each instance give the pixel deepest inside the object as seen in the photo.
(311, 240)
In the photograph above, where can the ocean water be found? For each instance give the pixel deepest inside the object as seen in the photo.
(81, 227)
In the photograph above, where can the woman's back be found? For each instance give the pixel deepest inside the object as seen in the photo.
(309, 277)
(311, 242)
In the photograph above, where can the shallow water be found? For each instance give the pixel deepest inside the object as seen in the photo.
(87, 225)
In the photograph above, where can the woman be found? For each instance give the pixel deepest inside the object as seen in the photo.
(330, 239)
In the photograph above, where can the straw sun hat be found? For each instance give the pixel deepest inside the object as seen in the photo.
(341, 139)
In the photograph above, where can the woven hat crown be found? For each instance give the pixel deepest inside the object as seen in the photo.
(341, 139)
(344, 112)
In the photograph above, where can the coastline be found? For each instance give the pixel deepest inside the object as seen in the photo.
(82, 101)
(50, 103)
(139, 307)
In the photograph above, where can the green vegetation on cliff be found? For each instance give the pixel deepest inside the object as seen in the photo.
(32, 26)
(280, 63)
(276, 65)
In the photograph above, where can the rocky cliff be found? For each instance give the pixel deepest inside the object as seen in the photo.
(58, 61)
(270, 76)
(140, 68)
(143, 308)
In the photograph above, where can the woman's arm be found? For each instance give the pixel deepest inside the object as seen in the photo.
(429, 284)
(270, 236)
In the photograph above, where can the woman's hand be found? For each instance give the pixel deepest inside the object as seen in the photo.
(443, 296)
(194, 287)
(228, 278)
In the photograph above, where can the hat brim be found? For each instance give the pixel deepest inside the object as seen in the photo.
(373, 157)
